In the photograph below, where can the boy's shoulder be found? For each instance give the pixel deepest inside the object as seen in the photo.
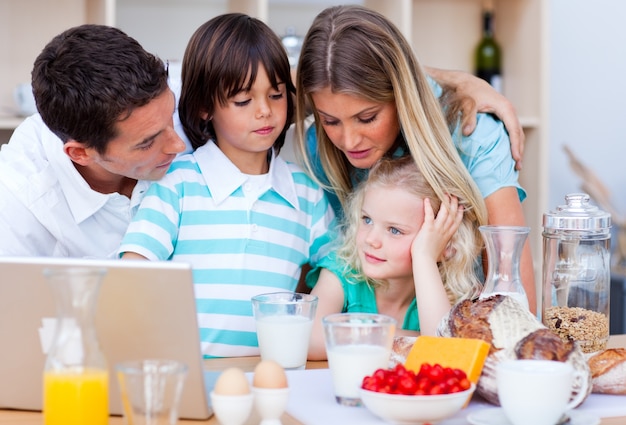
(184, 169)
(183, 161)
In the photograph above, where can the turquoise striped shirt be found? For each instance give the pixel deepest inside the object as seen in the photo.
(243, 236)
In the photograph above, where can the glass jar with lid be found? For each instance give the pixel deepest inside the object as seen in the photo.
(577, 273)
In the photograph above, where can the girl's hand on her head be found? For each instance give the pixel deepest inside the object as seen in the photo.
(436, 232)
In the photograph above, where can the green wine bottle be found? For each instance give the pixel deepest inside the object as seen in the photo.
(487, 56)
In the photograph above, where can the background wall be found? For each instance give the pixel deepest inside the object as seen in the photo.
(587, 95)
(190, 14)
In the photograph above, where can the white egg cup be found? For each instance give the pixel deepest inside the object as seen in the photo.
(270, 404)
(232, 409)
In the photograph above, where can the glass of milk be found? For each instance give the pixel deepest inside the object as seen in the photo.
(283, 326)
(356, 344)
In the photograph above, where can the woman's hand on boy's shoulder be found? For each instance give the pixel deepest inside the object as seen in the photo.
(485, 99)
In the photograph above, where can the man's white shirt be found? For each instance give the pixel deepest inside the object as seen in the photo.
(48, 209)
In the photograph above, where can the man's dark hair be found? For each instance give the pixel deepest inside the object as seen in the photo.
(90, 77)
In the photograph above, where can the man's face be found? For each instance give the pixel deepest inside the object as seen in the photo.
(146, 143)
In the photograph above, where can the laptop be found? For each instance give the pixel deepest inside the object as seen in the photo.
(145, 309)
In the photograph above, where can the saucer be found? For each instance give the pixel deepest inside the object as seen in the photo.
(495, 416)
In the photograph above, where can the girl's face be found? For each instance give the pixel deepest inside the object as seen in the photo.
(390, 220)
(363, 130)
(249, 124)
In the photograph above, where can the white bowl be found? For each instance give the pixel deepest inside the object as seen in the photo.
(415, 409)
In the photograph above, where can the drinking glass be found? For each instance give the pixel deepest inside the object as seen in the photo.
(151, 390)
(284, 321)
(356, 344)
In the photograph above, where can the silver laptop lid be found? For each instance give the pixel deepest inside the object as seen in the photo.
(145, 310)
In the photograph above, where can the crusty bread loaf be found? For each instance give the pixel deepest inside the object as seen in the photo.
(608, 371)
(471, 320)
(543, 344)
(514, 333)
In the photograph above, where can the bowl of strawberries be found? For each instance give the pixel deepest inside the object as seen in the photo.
(401, 396)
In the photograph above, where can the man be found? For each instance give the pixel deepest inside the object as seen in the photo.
(72, 176)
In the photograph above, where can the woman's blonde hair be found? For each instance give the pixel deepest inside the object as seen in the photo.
(457, 270)
(357, 51)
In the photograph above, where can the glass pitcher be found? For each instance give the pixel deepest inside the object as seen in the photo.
(504, 246)
(577, 272)
(76, 375)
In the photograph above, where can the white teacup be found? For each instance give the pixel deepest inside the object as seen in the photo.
(24, 99)
(536, 392)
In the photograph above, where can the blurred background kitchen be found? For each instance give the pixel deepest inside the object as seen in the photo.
(563, 66)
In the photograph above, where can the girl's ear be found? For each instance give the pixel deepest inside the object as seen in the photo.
(77, 152)
(448, 252)
(205, 115)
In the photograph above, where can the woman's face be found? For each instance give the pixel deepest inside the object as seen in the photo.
(363, 130)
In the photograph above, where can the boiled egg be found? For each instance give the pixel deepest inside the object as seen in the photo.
(269, 374)
(232, 381)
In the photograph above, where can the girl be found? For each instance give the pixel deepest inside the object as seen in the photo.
(406, 253)
(245, 219)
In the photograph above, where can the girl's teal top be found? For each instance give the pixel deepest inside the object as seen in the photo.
(359, 297)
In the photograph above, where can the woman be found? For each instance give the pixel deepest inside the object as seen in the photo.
(371, 99)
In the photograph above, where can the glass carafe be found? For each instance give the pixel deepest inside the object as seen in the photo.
(76, 375)
(577, 272)
(504, 251)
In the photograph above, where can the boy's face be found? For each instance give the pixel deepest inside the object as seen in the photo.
(390, 219)
(249, 124)
(146, 143)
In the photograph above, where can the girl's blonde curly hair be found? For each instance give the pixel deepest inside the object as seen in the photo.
(457, 270)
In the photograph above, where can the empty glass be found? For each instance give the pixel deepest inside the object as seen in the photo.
(151, 390)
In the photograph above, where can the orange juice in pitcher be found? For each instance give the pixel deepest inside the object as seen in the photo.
(76, 398)
(75, 377)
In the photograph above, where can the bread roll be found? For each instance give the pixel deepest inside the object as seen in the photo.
(400, 349)
(608, 371)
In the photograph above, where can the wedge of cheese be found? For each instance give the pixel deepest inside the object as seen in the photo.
(460, 353)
